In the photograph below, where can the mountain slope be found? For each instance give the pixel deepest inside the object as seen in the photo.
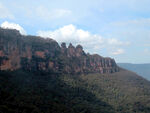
(124, 90)
(121, 92)
(24, 92)
(141, 69)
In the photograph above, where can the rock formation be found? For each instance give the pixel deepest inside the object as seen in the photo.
(34, 53)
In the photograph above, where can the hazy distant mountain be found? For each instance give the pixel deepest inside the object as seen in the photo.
(141, 69)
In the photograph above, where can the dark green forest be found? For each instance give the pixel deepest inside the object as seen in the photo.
(40, 92)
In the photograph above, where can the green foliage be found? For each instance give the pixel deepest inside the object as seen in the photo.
(28, 92)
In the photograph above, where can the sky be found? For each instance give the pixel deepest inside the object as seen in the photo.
(111, 28)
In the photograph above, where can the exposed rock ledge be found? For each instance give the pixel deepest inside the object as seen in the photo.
(34, 53)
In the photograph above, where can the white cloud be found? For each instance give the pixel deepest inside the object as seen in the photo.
(8, 25)
(4, 12)
(137, 30)
(118, 52)
(47, 14)
(142, 22)
(71, 34)
(147, 51)
(113, 41)
(147, 44)
(91, 42)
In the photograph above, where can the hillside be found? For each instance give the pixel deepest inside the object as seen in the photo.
(39, 76)
(121, 92)
(141, 69)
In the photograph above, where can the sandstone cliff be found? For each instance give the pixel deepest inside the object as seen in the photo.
(34, 53)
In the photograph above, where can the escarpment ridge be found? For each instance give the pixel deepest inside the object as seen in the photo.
(34, 53)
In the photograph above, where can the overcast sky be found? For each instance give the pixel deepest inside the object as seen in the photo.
(116, 28)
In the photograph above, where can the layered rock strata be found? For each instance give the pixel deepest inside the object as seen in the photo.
(34, 53)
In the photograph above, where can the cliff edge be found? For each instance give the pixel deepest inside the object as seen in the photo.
(33, 53)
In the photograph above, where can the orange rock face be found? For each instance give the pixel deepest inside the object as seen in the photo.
(1, 53)
(5, 65)
(38, 54)
(51, 65)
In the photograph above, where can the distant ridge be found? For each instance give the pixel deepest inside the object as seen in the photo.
(141, 69)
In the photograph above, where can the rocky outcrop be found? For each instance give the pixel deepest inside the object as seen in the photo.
(79, 51)
(34, 53)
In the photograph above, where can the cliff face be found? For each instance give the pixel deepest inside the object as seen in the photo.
(33, 53)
